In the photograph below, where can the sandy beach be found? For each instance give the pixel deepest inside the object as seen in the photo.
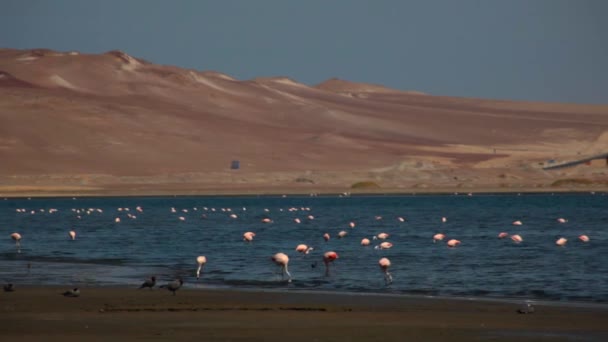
(101, 314)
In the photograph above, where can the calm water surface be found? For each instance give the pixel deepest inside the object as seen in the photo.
(158, 243)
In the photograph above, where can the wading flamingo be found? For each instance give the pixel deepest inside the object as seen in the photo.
(302, 248)
(384, 264)
(502, 235)
(282, 260)
(384, 245)
(517, 223)
(365, 242)
(453, 243)
(561, 241)
(352, 224)
(381, 236)
(201, 260)
(516, 238)
(444, 219)
(584, 238)
(342, 234)
(562, 220)
(327, 258)
(17, 238)
(72, 235)
(400, 219)
(297, 220)
(248, 236)
(326, 237)
(266, 220)
(438, 237)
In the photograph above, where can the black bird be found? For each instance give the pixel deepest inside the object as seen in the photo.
(174, 285)
(75, 292)
(527, 308)
(150, 282)
(9, 287)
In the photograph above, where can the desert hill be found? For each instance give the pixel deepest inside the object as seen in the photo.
(114, 121)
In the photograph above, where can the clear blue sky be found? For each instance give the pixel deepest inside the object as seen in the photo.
(546, 50)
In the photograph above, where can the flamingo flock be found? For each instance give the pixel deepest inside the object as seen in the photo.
(281, 259)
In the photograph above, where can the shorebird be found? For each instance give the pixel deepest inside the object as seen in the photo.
(149, 283)
(327, 258)
(9, 287)
(174, 285)
(526, 308)
(282, 260)
(75, 292)
(384, 264)
(201, 260)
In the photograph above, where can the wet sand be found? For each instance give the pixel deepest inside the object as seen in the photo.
(127, 314)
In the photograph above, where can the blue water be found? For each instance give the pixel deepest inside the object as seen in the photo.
(158, 243)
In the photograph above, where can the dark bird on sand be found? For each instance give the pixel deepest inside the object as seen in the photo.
(9, 287)
(150, 283)
(527, 308)
(174, 285)
(75, 292)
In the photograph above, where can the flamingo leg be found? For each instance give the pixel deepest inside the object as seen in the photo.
(288, 274)
(388, 278)
(198, 272)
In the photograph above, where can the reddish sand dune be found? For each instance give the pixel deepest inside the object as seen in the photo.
(107, 120)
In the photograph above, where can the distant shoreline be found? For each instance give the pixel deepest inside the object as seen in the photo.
(252, 192)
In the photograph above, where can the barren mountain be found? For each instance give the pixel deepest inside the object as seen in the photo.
(113, 122)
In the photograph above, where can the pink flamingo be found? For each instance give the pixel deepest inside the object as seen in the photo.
(297, 220)
(326, 237)
(310, 217)
(302, 248)
(282, 260)
(584, 238)
(266, 220)
(562, 220)
(453, 243)
(327, 258)
(502, 235)
(72, 235)
(365, 242)
(517, 238)
(342, 234)
(248, 236)
(517, 223)
(400, 219)
(438, 237)
(352, 224)
(444, 219)
(17, 238)
(561, 241)
(384, 245)
(201, 260)
(384, 264)
(381, 236)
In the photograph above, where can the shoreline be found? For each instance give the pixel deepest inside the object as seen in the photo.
(41, 313)
(254, 192)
